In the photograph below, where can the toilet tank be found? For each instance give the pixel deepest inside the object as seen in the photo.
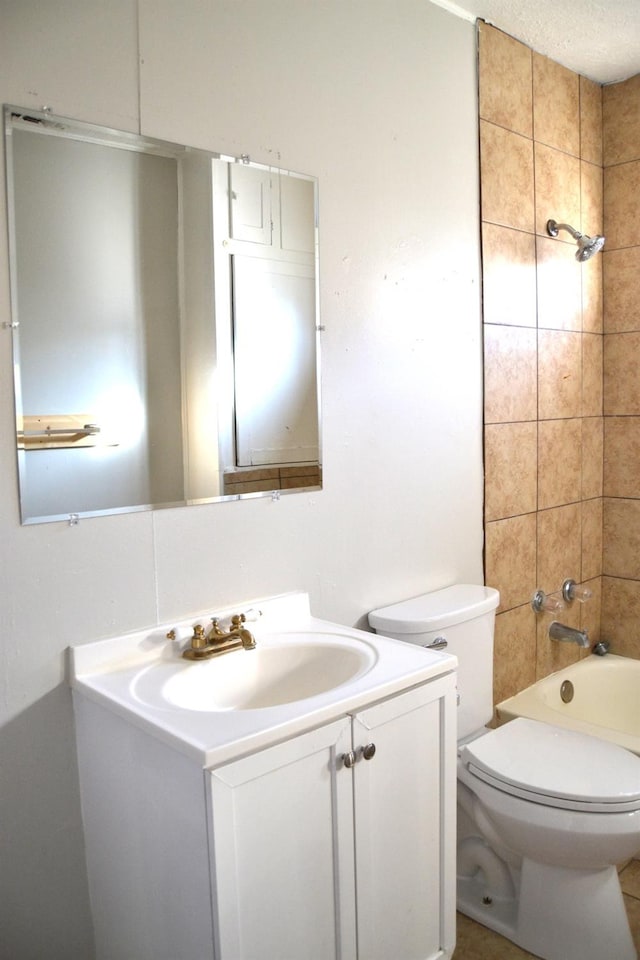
(463, 616)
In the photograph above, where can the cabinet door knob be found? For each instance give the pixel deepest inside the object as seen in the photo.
(349, 759)
(369, 751)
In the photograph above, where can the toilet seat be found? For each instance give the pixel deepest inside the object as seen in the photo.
(555, 767)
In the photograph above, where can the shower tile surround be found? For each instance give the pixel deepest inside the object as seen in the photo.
(562, 395)
(562, 350)
(621, 285)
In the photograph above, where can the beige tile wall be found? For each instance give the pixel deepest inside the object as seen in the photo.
(621, 260)
(541, 158)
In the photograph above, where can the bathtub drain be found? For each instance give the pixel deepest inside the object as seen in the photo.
(566, 691)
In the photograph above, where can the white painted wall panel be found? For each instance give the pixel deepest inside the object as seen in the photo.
(377, 99)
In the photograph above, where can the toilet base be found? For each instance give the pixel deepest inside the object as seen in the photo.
(560, 914)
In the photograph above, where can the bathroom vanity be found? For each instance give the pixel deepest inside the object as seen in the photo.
(299, 804)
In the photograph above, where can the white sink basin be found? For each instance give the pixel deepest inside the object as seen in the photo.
(304, 672)
(304, 666)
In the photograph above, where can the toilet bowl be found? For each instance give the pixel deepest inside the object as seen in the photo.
(561, 809)
(544, 814)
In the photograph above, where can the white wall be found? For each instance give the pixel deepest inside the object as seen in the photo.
(378, 99)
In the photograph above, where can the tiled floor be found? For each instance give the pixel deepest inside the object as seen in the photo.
(476, 942)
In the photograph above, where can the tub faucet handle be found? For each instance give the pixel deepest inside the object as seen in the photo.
(576, 591)
(542, 602)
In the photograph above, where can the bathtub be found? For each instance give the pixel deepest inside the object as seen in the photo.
(606, 700)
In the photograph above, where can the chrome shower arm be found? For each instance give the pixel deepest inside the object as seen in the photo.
(587, 246)
(553, 227)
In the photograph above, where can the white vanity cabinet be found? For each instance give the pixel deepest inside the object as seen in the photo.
(227, 819)
(318, 859)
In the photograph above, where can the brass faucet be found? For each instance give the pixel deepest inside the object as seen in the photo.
(218, 642)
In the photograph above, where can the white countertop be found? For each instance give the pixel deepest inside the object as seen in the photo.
(114, 671)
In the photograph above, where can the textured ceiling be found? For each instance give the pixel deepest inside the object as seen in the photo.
(597, 38)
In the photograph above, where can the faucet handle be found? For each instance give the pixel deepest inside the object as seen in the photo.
(546, 602)
(237, 619)
(576, 591)
(253, 613)
(198, 639)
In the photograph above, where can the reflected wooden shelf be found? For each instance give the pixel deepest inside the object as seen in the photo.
(57, 431)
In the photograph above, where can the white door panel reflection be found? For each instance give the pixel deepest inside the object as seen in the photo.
(275, 361)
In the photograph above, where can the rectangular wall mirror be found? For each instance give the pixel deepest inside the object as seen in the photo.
(165, 322)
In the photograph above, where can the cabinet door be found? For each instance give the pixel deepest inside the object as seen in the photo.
(250, 206)
(404, 822)
(282, 851)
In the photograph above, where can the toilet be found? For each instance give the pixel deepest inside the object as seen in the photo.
(544, 813)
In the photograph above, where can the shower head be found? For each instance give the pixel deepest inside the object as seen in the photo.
(587, 246)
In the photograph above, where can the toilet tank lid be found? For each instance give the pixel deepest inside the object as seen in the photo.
(434, 611)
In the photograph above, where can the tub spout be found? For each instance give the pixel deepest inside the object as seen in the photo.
(559, 631)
